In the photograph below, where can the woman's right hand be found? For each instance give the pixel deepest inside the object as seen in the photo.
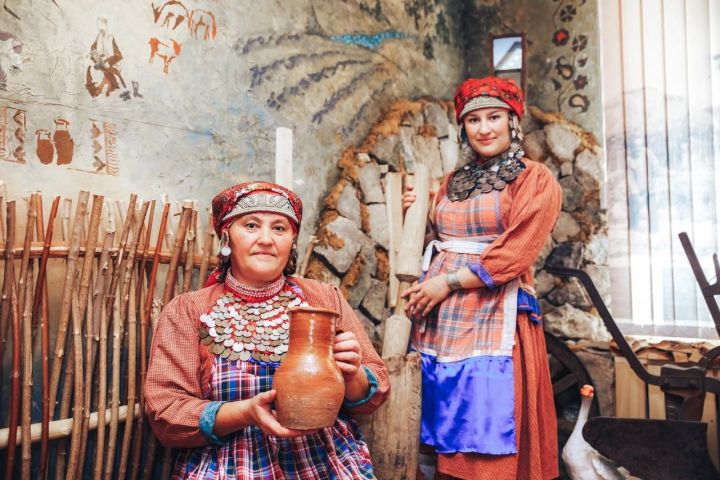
(409, 197)
(258, 411)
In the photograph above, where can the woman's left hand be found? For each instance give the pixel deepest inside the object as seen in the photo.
(420, 299)
(347, 354)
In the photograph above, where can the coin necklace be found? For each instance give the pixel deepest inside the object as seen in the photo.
(494, 174)
(250, 327)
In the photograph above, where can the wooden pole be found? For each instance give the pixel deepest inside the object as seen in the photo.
(45, 340)
(102, 286)
(78, 401)
(169, 291)
(190, 252)
(207, 251)
(393, 196)
(25, 262)
(15, 368)
(27, 380)
(70, 276)
(8, 283)
(3, 201)
(130, 375)
(40, 234)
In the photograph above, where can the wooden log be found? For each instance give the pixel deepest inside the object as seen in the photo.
(70, 276)
(207, 252)
(58, 428)
(15, 371)
(393, 199)
(26, 413)
(45, 340)
(413, 234)
(392, 432)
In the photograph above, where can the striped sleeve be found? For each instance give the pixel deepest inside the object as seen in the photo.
(536, 199)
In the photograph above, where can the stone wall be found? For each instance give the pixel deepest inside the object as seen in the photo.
(353, 235)
(563, 53)
(183, 97)
(579, 239)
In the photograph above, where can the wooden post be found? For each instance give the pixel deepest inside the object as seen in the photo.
(393, 431)
(283, 157)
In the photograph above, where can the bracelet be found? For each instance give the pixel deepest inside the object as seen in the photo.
(453, 281)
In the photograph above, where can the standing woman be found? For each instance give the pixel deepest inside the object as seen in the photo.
(209, 384)
(488, 406)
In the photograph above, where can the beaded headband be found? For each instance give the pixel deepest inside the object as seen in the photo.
(262, 202)
(482, 101)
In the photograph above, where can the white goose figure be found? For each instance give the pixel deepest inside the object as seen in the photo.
(582, 461)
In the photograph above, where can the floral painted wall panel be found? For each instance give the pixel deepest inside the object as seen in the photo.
(183, 96)
(563, 54)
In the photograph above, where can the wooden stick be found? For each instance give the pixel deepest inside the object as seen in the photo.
(144, 320)
(207, 251)
(91, 327)
(58, 428)
(102, 287)
(65, 224)
(25, 262)
(393, 196)
(312, 241)
(114, 389)
(26, 413)
(190, 252)
(15, 368)
(61, 251)
(8, 283)
(3, 200)
(61, 451)
(171, 278)
(130, 375)
(8, 286)
(70, 276)
(121, 258)
(137, 446)
(40, 234)
(41, 286)
(74, 457)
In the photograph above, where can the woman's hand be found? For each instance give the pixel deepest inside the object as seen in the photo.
(409, 197)
(420, 299)
(258, 411)
(347, 354)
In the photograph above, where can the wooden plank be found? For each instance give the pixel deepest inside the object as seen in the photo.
(636, 154)
(630, 391)
(676, 106)
(656, 397)
(702, 162)
(613, 107)
(659, 187)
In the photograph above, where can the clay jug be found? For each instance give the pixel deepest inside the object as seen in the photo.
(310, 387)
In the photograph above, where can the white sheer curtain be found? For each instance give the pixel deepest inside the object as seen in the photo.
(661, 99)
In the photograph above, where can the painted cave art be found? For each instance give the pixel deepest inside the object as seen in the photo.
(60, 147)
(11, 48)
(173, 17)
(165, 51)
(568, 81)
(104, 73)
(12, 135)
(104, 148)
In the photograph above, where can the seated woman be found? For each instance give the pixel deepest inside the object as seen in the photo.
(210, 393)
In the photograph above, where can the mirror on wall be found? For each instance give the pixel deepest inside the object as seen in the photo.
(508, 57)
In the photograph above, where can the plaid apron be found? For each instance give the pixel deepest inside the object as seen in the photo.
(466, 342)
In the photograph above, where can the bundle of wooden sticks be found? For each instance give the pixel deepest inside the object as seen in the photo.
(72, 290)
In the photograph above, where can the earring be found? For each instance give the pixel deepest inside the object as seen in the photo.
(225, 244)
